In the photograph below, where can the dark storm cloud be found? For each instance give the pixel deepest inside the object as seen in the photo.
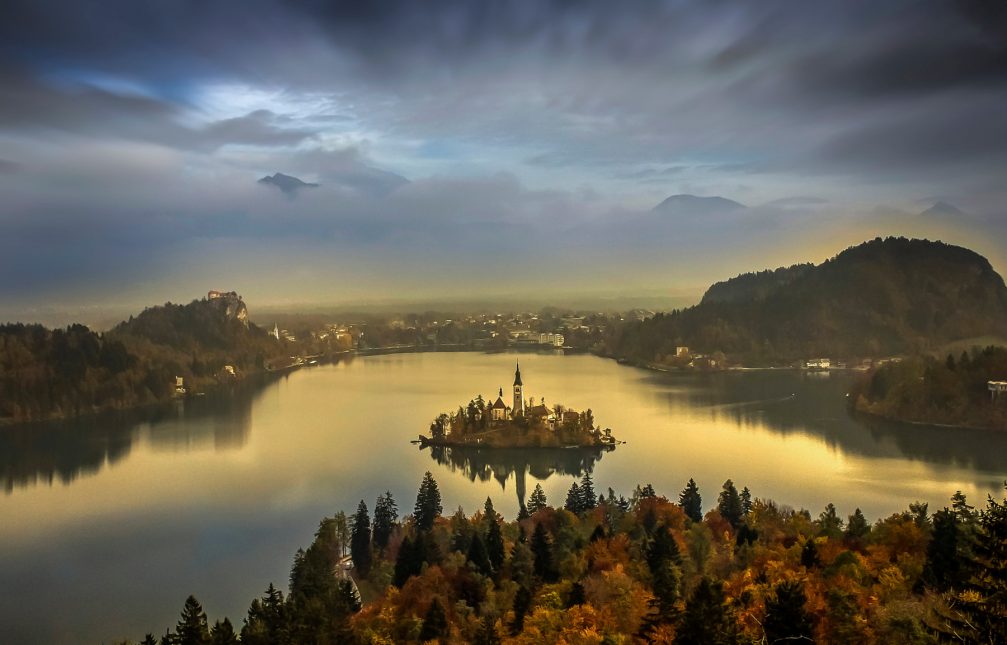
(533, 133)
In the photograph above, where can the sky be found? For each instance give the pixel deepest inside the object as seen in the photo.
(482, 149)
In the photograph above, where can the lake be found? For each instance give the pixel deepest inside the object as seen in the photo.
(109, 524)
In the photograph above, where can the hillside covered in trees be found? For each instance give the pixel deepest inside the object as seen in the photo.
(607, 569)
(927, 390)
(884, 297)
(47, 373)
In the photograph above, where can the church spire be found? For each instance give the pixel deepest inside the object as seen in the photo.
(517, 375)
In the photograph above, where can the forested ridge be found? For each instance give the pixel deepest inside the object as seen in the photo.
(926, 389)
(607, 569)
(47, 373)
(880, 298)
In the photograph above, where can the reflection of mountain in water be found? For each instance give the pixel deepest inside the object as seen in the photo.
(501, 463)
(42, 453)
(806, 403)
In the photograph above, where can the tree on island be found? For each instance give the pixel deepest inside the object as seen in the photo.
(360, 540)
(691, 502)
(428, 503)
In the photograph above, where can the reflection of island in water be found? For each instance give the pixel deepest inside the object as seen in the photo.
(43, 453)
(500, 463)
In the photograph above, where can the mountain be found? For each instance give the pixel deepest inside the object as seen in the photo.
(749, 287)
(942, 209)
(288, 184)
(693, 206)
(883, 297)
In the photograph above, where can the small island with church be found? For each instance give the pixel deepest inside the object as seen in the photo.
(521, 425)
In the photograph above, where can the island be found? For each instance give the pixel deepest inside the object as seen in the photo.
(520, 425)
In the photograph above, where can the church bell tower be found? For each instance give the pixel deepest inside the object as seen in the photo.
(518, 392)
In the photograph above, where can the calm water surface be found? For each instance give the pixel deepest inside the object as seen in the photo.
(108, 525)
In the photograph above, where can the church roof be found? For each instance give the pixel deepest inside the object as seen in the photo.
(517, 375)
(539, 410)
(499, 404)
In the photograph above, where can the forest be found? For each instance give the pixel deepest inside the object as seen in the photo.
(53, 373)
(603, 568)
(881, 298)
(924, 389)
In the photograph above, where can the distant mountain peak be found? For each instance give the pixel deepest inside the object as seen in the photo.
(287, 183)
(942, 209)
(695, 205)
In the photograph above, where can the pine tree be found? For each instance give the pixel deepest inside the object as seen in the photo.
(691, 502)
(461, 532)
(809, 554)
(192, 628)
(664, 559)
(729, 504)
(979, 613)
(494, 538)
(829, 522)
(522, 603)
(222, 633)
(478, 557)
(428, 503)
(943, 568)
(706, 620)
(577, 595)
(746, 501)
(386, 513)
(857, 528)
(588, 498)
(537, 501)
(360, 540)
(541, 548)
(786, 618)
(409, 562)
(149, 640)
(573, 499)
(435, 622)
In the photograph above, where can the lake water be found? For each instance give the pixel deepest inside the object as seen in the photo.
(108, 525)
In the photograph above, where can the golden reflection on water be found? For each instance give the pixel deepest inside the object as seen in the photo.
(266, 465)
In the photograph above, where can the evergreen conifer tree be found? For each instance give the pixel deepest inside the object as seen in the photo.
(478, 557)
(192, 627)
(943, 568)
(537, 501)
(222, 633)
(787, 620)
(435, 622)
(487, 634)
(522, 603)
(746, 501)
(588, 498)
(360, 540)
(573, 499)
(706, 619)
(691, 502)
(809, 554)
(729, 504)
(386, 513)
(428, 503)
(541, 548)
(494, 538)
(857, 528)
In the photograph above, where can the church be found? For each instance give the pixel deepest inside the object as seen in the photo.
(499, 410)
